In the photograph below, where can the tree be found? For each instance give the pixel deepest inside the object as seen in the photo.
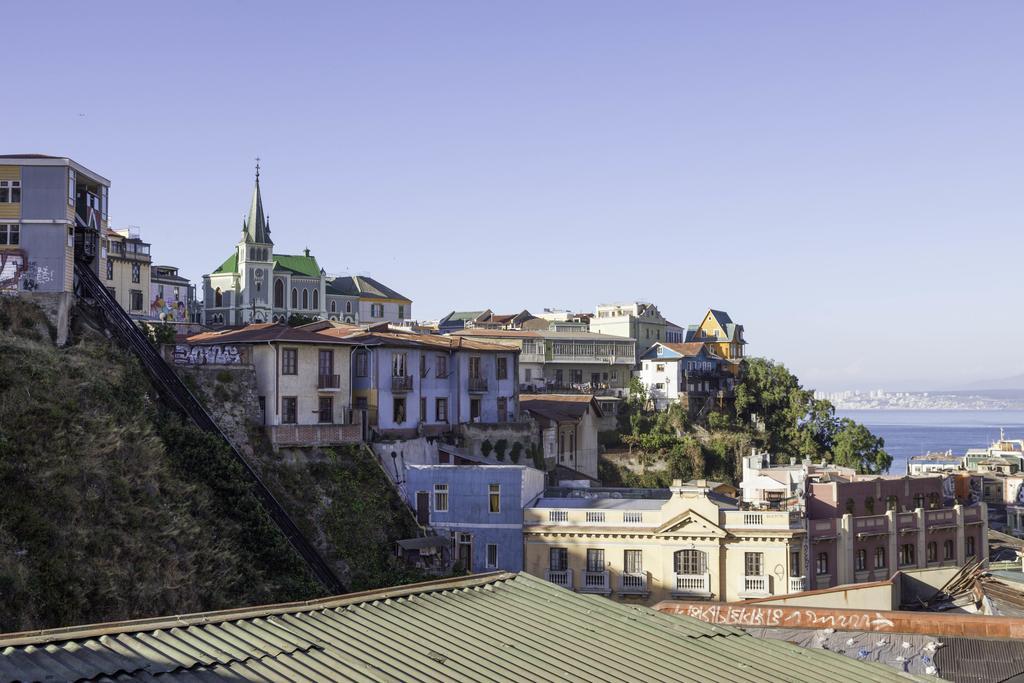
(855, 446)
(500, 448)
(486, 447)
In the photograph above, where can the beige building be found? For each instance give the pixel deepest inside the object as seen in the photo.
(125, 269)
(647, 545)
(641, 322)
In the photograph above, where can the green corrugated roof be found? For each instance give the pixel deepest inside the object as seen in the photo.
(303, 265)
(493, 627)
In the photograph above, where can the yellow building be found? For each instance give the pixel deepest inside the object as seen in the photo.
(647, 545)
(723, 337)
(125, 270)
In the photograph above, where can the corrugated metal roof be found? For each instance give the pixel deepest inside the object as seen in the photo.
(494, 627)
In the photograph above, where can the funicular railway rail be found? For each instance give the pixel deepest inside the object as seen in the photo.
(90, 290)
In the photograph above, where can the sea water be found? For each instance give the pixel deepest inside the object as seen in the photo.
(915, 432)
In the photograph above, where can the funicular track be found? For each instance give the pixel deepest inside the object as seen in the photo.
(90, 290)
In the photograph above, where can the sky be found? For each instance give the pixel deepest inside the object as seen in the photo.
(843, 178)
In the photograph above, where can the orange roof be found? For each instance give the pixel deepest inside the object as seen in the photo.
(264, 332)
(686, 349)
(481, 332)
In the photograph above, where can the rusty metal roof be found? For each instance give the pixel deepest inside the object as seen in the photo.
(491, 627)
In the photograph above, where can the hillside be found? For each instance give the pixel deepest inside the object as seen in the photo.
(112, 508)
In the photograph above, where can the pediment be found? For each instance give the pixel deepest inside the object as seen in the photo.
(691, 523)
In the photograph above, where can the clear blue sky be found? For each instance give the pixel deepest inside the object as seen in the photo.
(844, 178)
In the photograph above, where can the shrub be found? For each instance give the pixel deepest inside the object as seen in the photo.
(517, 451)
(486, 447)
(500, 448)
(225, 376)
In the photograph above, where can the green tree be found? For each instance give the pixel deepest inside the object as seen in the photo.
(486, 447)
(855, 446)
(500, 448)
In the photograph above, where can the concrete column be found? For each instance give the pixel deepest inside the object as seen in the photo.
(894, 543)
(983, 550)
(844, 550)
(960, 550)
(922, 538)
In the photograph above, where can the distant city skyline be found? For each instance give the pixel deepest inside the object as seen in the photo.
(843, 179)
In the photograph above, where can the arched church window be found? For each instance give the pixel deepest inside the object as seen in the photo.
(279, 294)
(295, 298)
(334, 307)
(305, 298)
(218, 298)
(316, 299)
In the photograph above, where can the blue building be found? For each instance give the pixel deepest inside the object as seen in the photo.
(480, 508)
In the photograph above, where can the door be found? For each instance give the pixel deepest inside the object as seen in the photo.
(423, 508)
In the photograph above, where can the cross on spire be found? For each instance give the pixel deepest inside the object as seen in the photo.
(257, 169)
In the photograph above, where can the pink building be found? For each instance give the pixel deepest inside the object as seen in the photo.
(867, 527)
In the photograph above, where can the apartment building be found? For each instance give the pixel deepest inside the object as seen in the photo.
(421, 384)
(689, 374)
(303, 379)
(866, 527)
(479, 508)
(568, 425)
(360, 299)
(126, 270)
(576, 361)
(641, 322)
(647, 545)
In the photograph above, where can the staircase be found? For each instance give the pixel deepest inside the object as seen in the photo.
(90, 291)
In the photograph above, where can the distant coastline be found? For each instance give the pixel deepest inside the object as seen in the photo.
(925, 400)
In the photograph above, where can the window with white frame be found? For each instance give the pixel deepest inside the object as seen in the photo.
(72, 182)
(494, 497)
(399, 363)
(753, 564)
(441, 497)
(10, 234)
(10, 191)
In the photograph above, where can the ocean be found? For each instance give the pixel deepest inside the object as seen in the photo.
(913, 432)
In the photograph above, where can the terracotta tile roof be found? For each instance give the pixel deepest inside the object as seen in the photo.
(483, 332)
(265, 332)
(559, 407)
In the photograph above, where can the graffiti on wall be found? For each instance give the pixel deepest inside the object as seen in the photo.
(224, 354)
(13, 264)
(794, 617)
(36, 275)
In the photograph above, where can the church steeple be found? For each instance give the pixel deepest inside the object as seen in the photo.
(257, 227)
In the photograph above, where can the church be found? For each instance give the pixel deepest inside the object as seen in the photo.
(256, 285)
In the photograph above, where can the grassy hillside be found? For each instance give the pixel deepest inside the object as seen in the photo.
(111, 507)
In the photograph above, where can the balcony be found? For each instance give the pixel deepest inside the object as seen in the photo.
(633, 583)
(755, 587)
(596, 582)
(402, 384)
(766, 519)
(328, 382)
(692, 584)
(560, 578)
(477, 385)
(797, 584)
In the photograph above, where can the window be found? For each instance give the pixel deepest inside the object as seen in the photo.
(502, 409)
(492, 555)
(279, 294)
(919, 501)
(316, 299)
(376, 310)
(501, 368)
(110, 269)
(660, 367)
(528, 375)
(423, 408)
(295, 298)
(401, 311)
(933, 551)
(289, 361)
(869, 505)
(71, 186)
(821, 565)
(850, 506)
(10, 234)
(441, 409)
(494, 497)
(10, 191)
(289, 410)
(558, 559)
(474, 409)
(325, 364)
(348, 306)
(595, 560)
(906, 554)
(334, 307)
(398, 364)
(474, 367)
(632, 561)
(136, 299)
(362, 363)
(795, 566)
(947, 550)
(218, 298)
(305, 298)
(892, 503)
(440, 497)
(862, 560)
(398, 408)
(326, 410)
(690, 562)
(442, 366)
(880, 558)
(933, 501)
(753, 564)
(969, 546)
(136, 272)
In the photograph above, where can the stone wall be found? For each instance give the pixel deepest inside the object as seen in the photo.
(57, 308)
(473, 435)
(230, 396)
